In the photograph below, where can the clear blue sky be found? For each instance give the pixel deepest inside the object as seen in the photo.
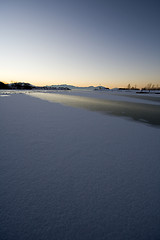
(83, 43)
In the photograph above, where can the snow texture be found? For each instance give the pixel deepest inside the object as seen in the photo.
(69, 173)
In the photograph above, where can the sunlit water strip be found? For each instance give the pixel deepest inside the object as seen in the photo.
(146, 113)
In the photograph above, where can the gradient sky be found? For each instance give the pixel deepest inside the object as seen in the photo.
(110, 43)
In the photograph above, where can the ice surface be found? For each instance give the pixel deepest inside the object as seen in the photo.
(137, 111)
(69, 173)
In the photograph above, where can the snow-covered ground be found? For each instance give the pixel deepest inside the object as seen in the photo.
(69, 173)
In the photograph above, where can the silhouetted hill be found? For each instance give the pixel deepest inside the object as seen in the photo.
(80, 88)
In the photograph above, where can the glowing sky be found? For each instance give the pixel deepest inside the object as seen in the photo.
(110, 43)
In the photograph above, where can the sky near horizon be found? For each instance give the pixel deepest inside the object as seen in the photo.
(110, 43)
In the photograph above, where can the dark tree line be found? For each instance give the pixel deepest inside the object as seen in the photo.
(17, 85)
(148, 87)
(3, 86)
(151, 86)
(27, 86)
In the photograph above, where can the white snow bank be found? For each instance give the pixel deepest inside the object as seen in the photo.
(68, 173)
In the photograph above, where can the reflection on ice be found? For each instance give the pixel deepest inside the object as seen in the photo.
(146, 113)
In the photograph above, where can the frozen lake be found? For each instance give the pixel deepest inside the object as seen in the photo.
(142, 112)
(69, 173)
